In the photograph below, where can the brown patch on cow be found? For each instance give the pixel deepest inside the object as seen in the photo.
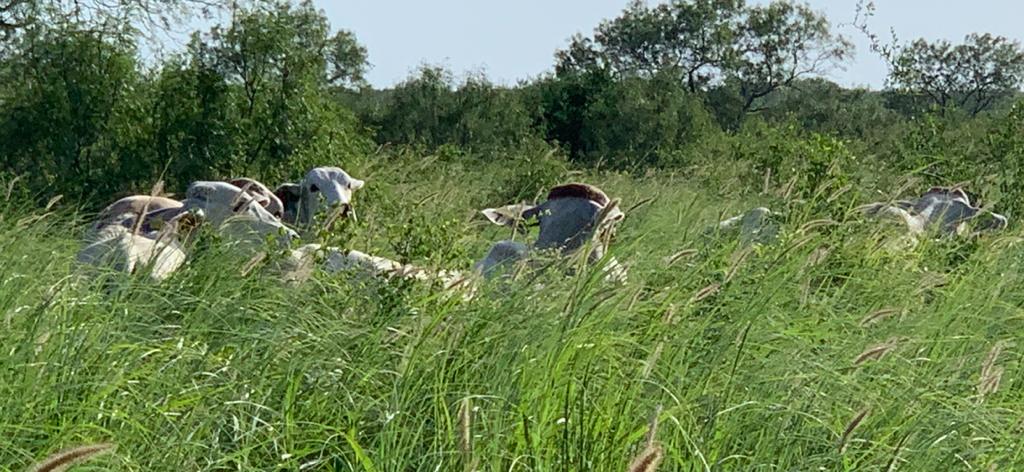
(579, 190)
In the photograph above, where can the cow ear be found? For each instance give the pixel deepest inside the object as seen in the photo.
(356, 184)
(288, 192)
(508, 215)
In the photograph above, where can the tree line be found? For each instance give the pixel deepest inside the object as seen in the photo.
(273, 88)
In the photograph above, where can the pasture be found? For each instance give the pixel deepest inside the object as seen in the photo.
(834, 348)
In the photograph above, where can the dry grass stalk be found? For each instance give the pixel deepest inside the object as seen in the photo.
(53, 201)
(648, 460)
(679, 255)
(852, 425)
(670, 314)
(878, 315)
(737, 261)
(991, 375)
(466, 434)
(798, 243)
(64, 459)
(157, 189)
(929, 281)
(255, 261)
(876, 352)
(652, 360)
(838, 193)
(634, 299)
(787, 191)
(817, 256)
(706, 292)
(989, 384)
(652, 428)
(815, 224)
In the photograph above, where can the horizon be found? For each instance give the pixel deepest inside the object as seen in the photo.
(507, 58)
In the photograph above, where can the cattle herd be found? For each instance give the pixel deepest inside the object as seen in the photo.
(148, 233)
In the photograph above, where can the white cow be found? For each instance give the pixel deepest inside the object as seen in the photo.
(573, 216)
(125, 212)
(301, 262)
(322, 189)
(160, 250)
(235, 213)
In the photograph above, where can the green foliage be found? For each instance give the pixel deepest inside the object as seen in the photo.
(625, 124)
(1007, 149)
(757, 49)
(971, 76)
(428, 109)
(214, 370)
(689, 39)
(250, 98)
(67, 95)
(815, 168)
(275, 61)
(822, 106)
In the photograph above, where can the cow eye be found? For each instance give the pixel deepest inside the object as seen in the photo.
(314, 188)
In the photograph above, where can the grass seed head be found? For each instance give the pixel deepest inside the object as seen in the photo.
(852, 425)
(64, 459)
(876, 352)
(648, 460)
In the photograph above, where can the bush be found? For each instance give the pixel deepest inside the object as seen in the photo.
(624, 124)
(428, 109)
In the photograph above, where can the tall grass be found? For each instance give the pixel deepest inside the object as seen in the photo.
(213, 370)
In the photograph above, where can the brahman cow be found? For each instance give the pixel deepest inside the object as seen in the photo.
(755, 226)
(944, 210)
(125, 211)
(573, 215)
(300, 264)
(302, 201)
(126, 250)
(235, 212)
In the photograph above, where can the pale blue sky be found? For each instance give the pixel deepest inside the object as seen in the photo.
(516, 39)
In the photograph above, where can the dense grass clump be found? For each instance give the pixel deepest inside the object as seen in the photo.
(832, 349)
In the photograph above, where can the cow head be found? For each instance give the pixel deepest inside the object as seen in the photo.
(324, 192)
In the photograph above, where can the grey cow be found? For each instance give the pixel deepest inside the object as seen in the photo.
(572, 216)
(945, 210)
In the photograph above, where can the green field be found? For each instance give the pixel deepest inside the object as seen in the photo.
(213, 370)
(842, 345)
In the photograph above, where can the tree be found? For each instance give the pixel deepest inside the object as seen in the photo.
(278, 59)
(95, 15)
(689, 38)
(753, 50)
(970, 76)
(63, 100)
(346, 60)
(779, 44)
(14, 15)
